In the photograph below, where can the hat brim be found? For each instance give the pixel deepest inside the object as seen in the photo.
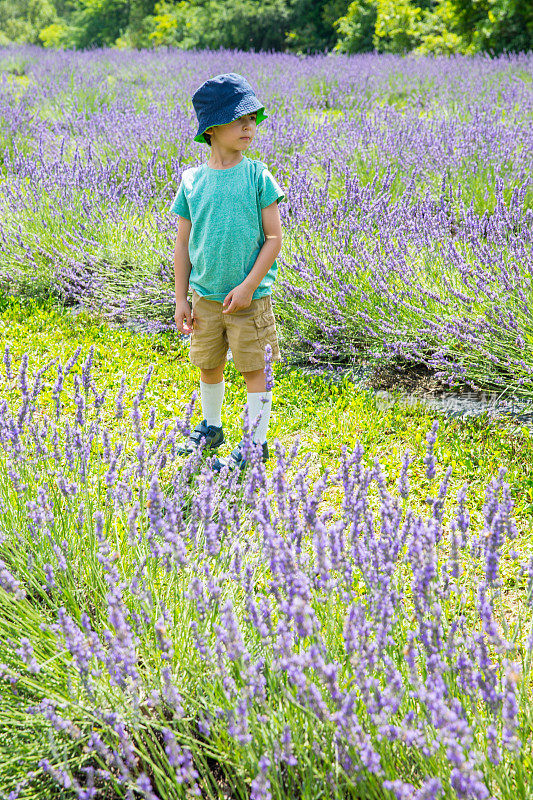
(261, 115)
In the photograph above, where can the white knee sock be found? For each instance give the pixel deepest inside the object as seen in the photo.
(212, 397)
(259, 406)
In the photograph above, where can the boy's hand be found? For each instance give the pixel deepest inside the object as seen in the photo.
(238, 298)
(183, 317)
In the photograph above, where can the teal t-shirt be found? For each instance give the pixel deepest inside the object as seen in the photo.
(224, 207)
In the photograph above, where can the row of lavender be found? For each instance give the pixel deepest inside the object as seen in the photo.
(408, 218)
(167, 633)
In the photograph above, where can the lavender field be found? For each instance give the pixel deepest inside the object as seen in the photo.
(408, 223)
(361, 630)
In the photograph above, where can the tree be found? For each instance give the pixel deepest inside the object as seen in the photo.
(397, 26)
(100, 22)
(494, 25)
(438, 34)
(242, 24)
(512, 29)
(357, 28)
(22, 20)
(312, 24)
(55, 35)
(138, 29)
(332, 11)
(251, 24)
(388, 26)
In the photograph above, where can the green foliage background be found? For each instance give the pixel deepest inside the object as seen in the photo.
(301, 26)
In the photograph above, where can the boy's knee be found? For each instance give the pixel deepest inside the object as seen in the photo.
(255, 380)
(213, 375)
(254, 373)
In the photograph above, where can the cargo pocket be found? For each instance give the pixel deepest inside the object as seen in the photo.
(265, 325)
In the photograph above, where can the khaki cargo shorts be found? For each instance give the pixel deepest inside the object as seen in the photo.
(247, 332)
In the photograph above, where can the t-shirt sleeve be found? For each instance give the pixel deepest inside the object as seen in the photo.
(180, 205)
(269, 189)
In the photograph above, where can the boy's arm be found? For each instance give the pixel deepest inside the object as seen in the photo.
(241, 295)
(182, 271)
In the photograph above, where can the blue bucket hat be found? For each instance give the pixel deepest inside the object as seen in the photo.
(223, 99)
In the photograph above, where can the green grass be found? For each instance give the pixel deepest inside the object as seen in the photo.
(325, 415)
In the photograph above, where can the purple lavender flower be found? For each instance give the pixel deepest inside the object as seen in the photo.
(7, 363)
(9, 583)
(86, 370)
(261, 782)
(403, 481)
(182, 761)
(269, 375)
(25, 652)
(119, 401)
(72, 361)
(144, 785)
(429, 458)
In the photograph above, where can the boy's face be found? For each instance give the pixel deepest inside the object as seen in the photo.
(236, 135)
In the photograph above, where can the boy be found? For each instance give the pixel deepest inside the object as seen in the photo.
(229, 234)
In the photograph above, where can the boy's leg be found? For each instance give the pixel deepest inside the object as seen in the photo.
(249, 332)
(209, 346)
(259, 402)
(255, 380)
(212, 394)
(259, 406)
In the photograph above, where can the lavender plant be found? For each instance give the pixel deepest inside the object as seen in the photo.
(408, 215)
(170, 633)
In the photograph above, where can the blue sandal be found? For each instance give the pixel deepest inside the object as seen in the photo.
(235, 460)
(208, 436)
